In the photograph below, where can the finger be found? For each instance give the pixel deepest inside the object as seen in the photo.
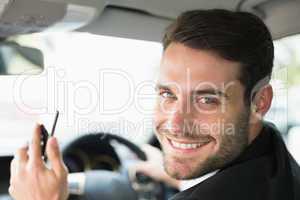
(147, 147)
(11, 191)
(35, 146)
(55, 157)
(153, 153)
(135, 169)
(147, 151)
(150, 149)
(20, 158)
(22, 155)
(13, 167)
(141, 167)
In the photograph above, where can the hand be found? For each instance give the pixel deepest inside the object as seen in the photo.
(154, 168)
(31, 179)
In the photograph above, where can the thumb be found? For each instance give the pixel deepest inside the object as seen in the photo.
(54, 156)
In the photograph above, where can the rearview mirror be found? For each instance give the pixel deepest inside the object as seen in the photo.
(16, 59)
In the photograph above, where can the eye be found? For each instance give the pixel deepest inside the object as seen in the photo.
(208, 100)
(167, 94)
(207, 103)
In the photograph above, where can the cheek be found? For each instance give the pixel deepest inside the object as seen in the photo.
(209, 124)
(215, 126)
(158, 121)
(159, 116)
(224, 127)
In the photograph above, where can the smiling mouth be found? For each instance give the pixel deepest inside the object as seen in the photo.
(187, 146)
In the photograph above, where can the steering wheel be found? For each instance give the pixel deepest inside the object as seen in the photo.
(105, 184)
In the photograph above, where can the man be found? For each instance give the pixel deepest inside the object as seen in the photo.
(213, 92)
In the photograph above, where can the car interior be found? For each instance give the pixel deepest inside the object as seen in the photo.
(96, 61)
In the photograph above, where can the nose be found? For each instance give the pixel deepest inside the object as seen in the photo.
(175, 122)
(178, 119)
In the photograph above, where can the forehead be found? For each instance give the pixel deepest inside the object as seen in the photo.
(183, 65)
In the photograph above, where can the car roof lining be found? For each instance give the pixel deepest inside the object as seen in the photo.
(147, 20)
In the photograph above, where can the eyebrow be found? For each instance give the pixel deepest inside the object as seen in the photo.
(160, 86)
(210, 91)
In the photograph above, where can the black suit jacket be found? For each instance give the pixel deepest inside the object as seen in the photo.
(264, 171)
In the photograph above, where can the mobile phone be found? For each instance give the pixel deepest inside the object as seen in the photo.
(45, 136)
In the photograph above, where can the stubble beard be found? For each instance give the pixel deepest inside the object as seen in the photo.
(231, 146)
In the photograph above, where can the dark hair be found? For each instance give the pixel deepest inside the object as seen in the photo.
(236, 36)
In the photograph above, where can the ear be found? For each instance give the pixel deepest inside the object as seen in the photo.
(261, 103)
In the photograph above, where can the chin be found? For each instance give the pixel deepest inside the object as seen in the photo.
(181, 169)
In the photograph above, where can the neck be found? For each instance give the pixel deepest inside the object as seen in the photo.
(254, 131)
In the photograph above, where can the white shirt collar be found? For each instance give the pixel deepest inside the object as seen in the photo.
(186, 184)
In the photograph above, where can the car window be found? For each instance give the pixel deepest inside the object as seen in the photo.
(98, 83)
(286, 83)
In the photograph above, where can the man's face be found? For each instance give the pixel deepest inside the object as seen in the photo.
(201, 120)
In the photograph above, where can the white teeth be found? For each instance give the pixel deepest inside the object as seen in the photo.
(185, 146)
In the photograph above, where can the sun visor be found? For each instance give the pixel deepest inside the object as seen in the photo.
(23, 17)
